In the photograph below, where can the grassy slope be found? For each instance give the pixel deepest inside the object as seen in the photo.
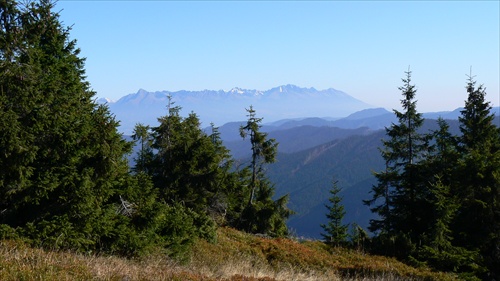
(236, 256)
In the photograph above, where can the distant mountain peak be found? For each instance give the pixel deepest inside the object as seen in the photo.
(289, 87)
(141, 91)
(220, 107)
(237, 90)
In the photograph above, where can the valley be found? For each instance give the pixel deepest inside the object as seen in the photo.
(312, 152)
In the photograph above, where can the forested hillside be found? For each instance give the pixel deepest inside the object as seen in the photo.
(305, 171)
(307, 175)
(65, 182)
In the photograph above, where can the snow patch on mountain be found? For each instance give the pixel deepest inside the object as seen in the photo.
(220, 107)
(104, 101)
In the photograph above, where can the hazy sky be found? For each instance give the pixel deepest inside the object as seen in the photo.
(362, 48)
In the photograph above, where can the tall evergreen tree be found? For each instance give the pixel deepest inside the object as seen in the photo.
(62, 164)
(142, 134)
(263, 150)
(477, 224)
(262, 214)
(336, 231)
(400, 196)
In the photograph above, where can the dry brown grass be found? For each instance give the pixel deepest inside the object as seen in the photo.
(286, 259)
(20, 262)
(236, 256)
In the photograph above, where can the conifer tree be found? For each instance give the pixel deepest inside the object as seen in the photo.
(440, 169)
(227, 200)
(443, 156)
(401, 188)
(186, 164)
(336, 231)
(477, 224)
(359, 238)
(438, 248)
(191, 167)
(382, 195)
(263, 150)
(142, 134)
(262, 214)
(62, 165)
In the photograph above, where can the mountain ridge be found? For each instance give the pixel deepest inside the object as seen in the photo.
(220, 107)
(289, 88)
(288, 104)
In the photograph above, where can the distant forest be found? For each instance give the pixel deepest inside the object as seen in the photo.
(65, 181)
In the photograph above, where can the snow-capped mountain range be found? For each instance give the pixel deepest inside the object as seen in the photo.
(220, 107)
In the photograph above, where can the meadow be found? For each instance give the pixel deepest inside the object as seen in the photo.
(234, 256)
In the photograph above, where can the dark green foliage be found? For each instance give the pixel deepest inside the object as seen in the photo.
(442, 160)
(142, 134)
(187, 173)
(149, 224)
(191, 174)
(477, 224)
(336, 231)
(359, 238)
(177, 227)
(438, 249)
(263, 150)
(265, 215)
(401, 194)
(235, 201)
(395, 245)
(63, 162)
(64, 178)
(262, 214)
(227, 203)
(190, 166)
(445, 188)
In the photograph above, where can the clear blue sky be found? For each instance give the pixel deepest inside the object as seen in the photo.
(362, 48)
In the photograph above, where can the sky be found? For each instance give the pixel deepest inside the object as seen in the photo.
(362, 48)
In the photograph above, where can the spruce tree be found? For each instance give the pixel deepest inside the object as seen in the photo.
(438, 249)
(400, 198)
(186, 165)
(229, 194)
(477, 224)
(263, 150)
(440, 169)
(63, 163)
(359, 238)
(336, 231)
(191, 167)
(142, 135)
(262, 214)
